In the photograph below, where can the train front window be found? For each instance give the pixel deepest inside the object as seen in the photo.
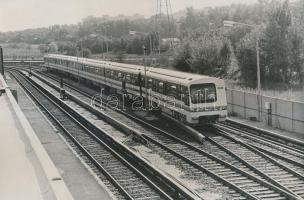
(203, 93)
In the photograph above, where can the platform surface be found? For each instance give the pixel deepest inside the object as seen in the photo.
(26, 172)
(79, 180)
(18, 179)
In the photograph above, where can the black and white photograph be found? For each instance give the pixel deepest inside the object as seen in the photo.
(152, 100)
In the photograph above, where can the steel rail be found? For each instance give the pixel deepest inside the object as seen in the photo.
(276, 139)
(86, 152)
(128, 154)
(254, 169)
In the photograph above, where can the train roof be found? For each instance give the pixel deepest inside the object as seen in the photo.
(177, 76)
(99, 63)
(158, 73)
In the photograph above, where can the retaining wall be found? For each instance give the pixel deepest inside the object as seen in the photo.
(285, 115)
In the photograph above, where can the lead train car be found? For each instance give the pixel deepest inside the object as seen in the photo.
(191, 98)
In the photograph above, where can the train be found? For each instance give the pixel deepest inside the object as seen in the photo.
(192, 99)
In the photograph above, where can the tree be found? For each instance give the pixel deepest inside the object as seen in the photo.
(191, 20)
(296, 66)
(246, 54)
(276, 45)
(210, 55)
(182, 58)
(86, 52)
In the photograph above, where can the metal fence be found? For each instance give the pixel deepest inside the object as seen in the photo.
(284, 114)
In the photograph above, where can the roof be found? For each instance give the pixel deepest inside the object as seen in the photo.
(159, 73)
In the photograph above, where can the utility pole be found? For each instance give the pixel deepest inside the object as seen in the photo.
(259, 78)
(78, 65)
(151, 47)
(1, 61)
(107, 45)
(81, 47)
(229, 23)
(146, 81)
(163, 5)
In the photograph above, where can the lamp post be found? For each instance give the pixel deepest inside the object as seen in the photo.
(145, 67)
(228, 23)
(106, 35)
(1, 62)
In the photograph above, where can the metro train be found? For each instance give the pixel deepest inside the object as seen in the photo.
(190, 98)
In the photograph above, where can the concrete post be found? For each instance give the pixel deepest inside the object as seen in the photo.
(276, 113)
(232, 101)
(245, 117)
(292, 116)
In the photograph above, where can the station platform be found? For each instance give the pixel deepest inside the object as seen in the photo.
(26, 171)
(263, 126)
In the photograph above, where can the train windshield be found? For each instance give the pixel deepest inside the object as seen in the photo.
(203, 93)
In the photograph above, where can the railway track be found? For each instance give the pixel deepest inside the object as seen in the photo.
(248, 181)
(284, 174)
(123, 178)
(262, 136)
(289, 156)
(237, 176)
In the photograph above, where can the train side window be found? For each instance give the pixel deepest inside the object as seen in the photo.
(108, 73)
(133, 79)
(119, 76)
(172, 89)
(123, 77)
(112, 74)
(128, 78)
(160, 87)
(138, 78)
(178, 91)
(101, 71)
(150, 83)
(154, 85)
(185, 95)
(143, 81)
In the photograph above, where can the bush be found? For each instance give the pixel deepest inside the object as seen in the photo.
(209, 54)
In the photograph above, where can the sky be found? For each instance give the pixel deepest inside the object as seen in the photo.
(23, 14)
